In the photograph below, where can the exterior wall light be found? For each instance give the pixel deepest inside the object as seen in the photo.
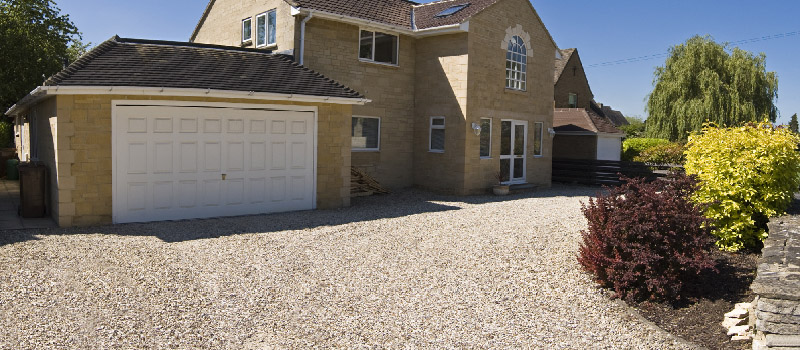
(476, 128)
(551, 131)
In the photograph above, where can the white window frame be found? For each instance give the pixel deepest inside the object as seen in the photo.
(491, 126)
(512, 83)
(266, 29)
(250, 39)
(372, 54)
(430, 134)
(540, 139)
(359, 149)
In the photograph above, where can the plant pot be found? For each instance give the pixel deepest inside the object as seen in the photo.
(500, 190)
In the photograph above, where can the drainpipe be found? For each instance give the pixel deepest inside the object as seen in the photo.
(303, 35)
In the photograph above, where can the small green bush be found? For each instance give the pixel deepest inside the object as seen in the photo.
(669, 153)
(747, 174)
(6, 134)
(634, 146)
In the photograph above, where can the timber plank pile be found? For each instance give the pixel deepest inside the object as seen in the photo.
(362, 184)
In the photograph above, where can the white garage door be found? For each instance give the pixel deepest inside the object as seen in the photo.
(181, 162)
(609, 148)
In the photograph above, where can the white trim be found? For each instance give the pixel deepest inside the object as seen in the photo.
(491, 128)
(430, 133)
(372, 60)
(116, 103)
(266, 43)
(377, 149)
(250, 39)
(511, 156)
(42, 91)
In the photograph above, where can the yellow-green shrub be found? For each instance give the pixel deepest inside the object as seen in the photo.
(632, 147)
(747, 174)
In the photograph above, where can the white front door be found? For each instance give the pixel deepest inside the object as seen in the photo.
(179, 162)
(513, 150)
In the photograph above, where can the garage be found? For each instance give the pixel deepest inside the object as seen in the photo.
(144, 130)
(193, 161)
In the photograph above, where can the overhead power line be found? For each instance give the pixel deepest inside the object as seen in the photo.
(666, 54)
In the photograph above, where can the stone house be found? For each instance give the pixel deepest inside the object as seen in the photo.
(460, 91)
(583, 128)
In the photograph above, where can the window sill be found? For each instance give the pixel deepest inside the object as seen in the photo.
(538, 156)
(379, 63)
(246, 43)
(435, 151)
(365, 149)
(515, 91)
(486, 157)
(270, 46)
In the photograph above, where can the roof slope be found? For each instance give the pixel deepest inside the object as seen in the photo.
(581, 120)
(150, 63)
(562, 63)
(392, 12)
(425, 14)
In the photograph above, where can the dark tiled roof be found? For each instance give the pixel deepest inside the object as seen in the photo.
(614, 116)
(562, 63)
(149, 63)
(581, 120)
(425, 14)
(392, 12)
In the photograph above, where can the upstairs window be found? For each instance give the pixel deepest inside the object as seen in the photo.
(265, 29)
(247, 29)
(378, 47)
(516, 64)
(573, 100)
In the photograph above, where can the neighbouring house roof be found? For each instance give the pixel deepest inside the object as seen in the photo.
(616, 117)
(579, 120)
(150, 63)
(562, 63)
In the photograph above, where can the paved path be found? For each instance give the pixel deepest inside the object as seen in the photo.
(9, 205)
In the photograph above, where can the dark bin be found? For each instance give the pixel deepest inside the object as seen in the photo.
(32, 189)
(12, 172)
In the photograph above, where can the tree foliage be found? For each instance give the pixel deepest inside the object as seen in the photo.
(35, 40)
(705, 81)
(631, 148)
(793, 126)
(747, 174)
(635, 127)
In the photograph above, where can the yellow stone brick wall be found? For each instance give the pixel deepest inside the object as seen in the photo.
(331, 48)
(488, 97)
(223, 25)
(573, 80)
(85, 160)
(441, 91)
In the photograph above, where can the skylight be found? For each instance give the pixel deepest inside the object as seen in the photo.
(451, 10)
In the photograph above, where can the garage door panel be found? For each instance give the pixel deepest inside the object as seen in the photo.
(178, 162)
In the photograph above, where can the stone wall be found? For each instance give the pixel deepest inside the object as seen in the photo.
(777, 286)
(223, 25)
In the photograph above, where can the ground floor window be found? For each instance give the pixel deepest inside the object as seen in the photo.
(486, 138)
(538, 129)
(436, 143)
(366, 133)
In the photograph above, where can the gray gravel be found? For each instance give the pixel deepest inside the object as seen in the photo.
(409, 270)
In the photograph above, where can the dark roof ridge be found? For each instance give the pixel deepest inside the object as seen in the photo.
(189, 44)
(439, 2)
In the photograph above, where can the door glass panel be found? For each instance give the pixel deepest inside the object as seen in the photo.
(505, 169)
(505, 138)
(519, 140)
(519, 168)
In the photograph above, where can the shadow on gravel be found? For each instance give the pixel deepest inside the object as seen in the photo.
(399, 204)
(16, 236)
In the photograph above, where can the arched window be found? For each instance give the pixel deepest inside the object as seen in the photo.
(516, 64)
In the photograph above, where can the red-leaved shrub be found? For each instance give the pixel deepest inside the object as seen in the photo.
(646, 241)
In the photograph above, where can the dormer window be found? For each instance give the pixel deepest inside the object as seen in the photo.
(378, 47)
(265, 29)
(247, 30)
(451, 10)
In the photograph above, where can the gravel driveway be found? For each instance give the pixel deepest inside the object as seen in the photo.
(408, 270)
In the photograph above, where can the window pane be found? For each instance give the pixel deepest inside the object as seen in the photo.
(505, 169)
(519, 169)
(365, 132)
(385, 48)
(505, 138)
(437, 139)
(573, 100)
(365, 47)
(247, 29)
(486, 137)
(519, 140)
(437, 121)
(272, 27)
(537, 139)
(261, 30)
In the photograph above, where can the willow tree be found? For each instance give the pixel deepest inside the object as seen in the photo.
(705, 81)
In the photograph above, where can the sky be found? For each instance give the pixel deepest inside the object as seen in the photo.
(605, 33)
